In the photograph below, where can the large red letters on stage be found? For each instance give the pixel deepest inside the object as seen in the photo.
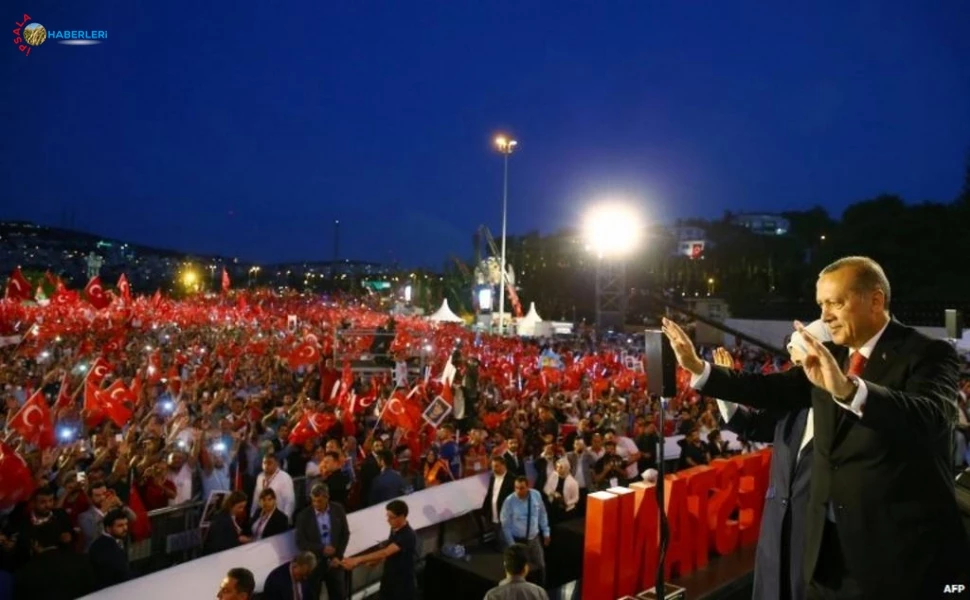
(623, 529)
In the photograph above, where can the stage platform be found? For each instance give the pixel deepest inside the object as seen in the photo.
(725, 578)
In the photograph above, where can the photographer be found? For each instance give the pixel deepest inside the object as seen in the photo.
(610, 470)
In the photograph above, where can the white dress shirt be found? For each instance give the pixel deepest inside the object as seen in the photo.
(727, 410)
(496, 488)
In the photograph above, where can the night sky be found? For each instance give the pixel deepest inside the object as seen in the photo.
(242, 130)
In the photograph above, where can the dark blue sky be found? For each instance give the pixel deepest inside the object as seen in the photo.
(247, 130)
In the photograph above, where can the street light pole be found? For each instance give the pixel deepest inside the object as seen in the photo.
(501, 289)
(505, 146)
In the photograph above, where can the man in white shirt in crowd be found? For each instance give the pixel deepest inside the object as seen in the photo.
(180, 474)
(280, 482)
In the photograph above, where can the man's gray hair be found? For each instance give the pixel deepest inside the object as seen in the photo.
(869, 275)
(306, 559)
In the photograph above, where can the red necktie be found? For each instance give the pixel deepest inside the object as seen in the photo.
(857, 362)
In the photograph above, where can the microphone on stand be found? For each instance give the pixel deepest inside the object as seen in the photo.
(661, 367)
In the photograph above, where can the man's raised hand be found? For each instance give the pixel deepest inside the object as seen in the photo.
(723, 358)
(683, 348)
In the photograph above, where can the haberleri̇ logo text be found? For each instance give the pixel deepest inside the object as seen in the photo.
(29, 34)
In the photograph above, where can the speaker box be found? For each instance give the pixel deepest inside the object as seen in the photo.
(661, 364)
(954, 323)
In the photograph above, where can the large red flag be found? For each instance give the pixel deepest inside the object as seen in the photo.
(16, 480)
(95, 294)
(33, 422)
(18, 288)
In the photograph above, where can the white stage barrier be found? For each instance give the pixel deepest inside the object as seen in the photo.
(200, 578)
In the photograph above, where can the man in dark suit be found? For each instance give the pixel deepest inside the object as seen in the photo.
(291, 581)
(501, 484)
(369, 470)
(513, 462)
(882, 518)
(389, 484)
(323, 530)
(107, 553)
(778, 568)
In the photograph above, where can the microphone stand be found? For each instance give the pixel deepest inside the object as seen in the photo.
(661, 588)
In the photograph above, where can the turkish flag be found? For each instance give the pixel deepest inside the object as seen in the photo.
(141, 527)
(225, 281)
(115, 345)
(305, 354)
(312, 425)
(18, 288)
(33, 422)
(124, 288)
(95, 294)
(101, 402)
(329, 382)
(16, 481)
(99, 370)
(119, 392)
(403, 411)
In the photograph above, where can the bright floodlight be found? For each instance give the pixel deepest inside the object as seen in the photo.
(612, 229)
(504, 144)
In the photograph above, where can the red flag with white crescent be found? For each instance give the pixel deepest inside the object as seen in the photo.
(34, 423)
(119, 392)
(95, 294)
(304, 355)
(99, 370)
(100, 402)
(18, 288)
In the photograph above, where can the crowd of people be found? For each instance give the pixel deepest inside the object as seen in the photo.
(150, 403)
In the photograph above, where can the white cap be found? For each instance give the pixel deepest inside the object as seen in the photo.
(650, 475)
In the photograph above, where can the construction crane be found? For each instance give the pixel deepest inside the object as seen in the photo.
(513, 295)
(462, 267)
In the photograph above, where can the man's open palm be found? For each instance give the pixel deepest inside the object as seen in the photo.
(683, 347)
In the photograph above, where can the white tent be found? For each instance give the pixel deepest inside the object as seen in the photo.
(529, 324)
(445, 314)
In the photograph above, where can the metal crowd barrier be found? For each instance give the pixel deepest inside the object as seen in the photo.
(176, 536)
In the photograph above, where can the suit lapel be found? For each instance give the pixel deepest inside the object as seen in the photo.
(884, 353)
(875, 370)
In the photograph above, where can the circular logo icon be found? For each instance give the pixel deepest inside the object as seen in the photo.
(35, 34)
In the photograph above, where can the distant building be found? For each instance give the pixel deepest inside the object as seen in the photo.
(762, 223)
(691, 240)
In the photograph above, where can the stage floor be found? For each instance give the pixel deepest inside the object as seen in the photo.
(725, 577)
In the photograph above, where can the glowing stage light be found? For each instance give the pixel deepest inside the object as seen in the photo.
(612, 229)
